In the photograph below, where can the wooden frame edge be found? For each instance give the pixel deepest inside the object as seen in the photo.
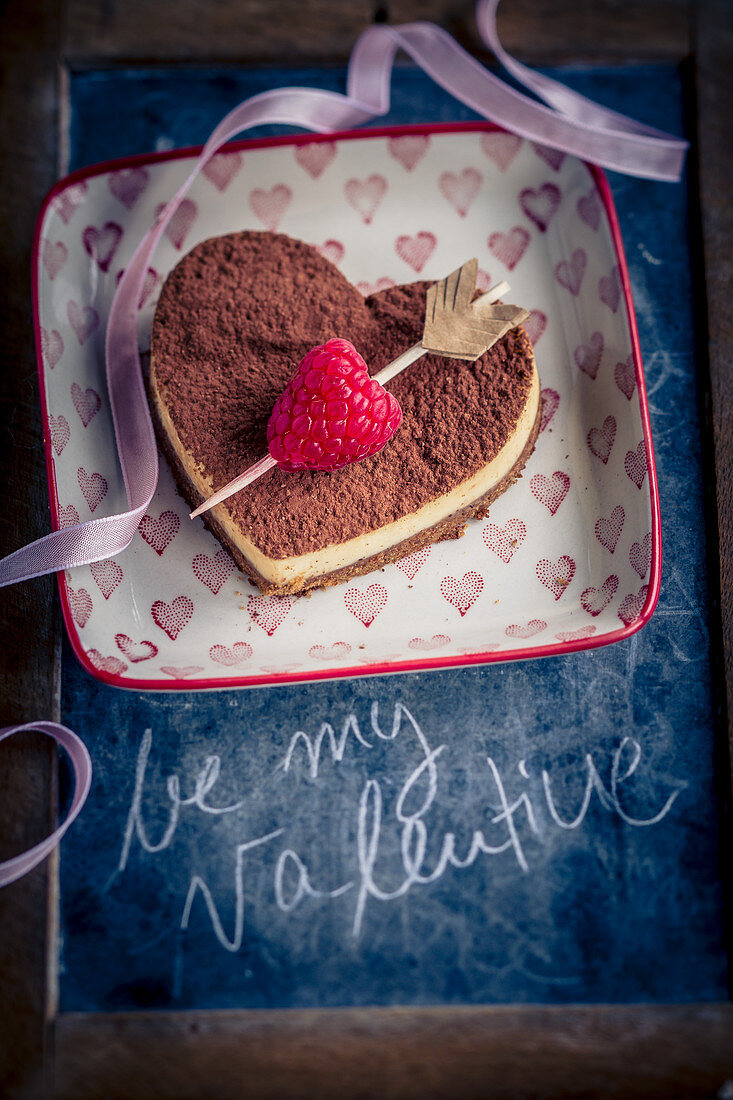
(461, 1052)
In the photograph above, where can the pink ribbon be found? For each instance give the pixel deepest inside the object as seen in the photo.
(15, 868)
(569, 122)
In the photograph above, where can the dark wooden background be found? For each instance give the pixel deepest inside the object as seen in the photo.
(648, 1051)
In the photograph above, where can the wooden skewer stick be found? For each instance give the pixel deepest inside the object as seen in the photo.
(456, 325)
(257, 470)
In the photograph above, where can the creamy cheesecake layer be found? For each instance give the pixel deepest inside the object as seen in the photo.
(302, 571)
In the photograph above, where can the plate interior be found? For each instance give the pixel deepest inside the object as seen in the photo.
(568, 555)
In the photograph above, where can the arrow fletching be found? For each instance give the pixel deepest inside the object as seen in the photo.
(461, 326)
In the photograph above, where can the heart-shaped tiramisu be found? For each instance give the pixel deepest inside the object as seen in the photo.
(234, 320)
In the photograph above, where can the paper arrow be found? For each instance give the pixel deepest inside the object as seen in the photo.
(461, 327)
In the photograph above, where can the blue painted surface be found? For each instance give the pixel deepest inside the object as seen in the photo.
(611, 910)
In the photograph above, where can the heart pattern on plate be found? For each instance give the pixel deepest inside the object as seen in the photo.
(331, 652)
(230, 656)
(588, 356)
(315, 156)
(172, 617)
(366, 195)
(595, 600)
(107, 575)
(500, 147)
(608, 531)
(86, 402)
(509, 247)
(600, 440)
(60, 431)
(222, 169)
(269, 612)
(462, 593)
(506, 540)
(632, 605)
(635, 464)
(590, 209)
(408, 149)
(417, 250)
(68, 516)
(569, 273)
(412, 564)
(101, 244)
(366, 605)
(160, 532)
(93, 486)
(553, 157)
(128, 184)
(550, 491)
(213, 571)
(83, 320)
(53, 256)
(550, 402)
(270, 206)
(556, 575)
(52, 347)
(460, 189)
(181, 223)
(526, 630)
(609, 289)
(81, 605)
(136, 651)
(437, 641)
(640, 555)
(540, 205)
(109, 664)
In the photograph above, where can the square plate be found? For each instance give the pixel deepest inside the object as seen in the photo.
(569, 557)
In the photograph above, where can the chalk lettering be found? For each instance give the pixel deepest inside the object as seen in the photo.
(134, 822)
(303, 887)
(400, 839)
(205, 780)
(400, 710)
(592, 783)
(314, 745)
(617, 777)
(507, 814)
(234, 943)
(414, 832)
(609, 800)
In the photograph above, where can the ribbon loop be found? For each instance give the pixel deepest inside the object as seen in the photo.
(15, 868)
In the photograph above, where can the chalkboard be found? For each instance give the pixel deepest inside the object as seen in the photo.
(543, 831)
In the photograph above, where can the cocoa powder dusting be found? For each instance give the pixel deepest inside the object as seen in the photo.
(235, 318)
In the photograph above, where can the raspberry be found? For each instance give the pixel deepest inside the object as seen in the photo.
(332, 412)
